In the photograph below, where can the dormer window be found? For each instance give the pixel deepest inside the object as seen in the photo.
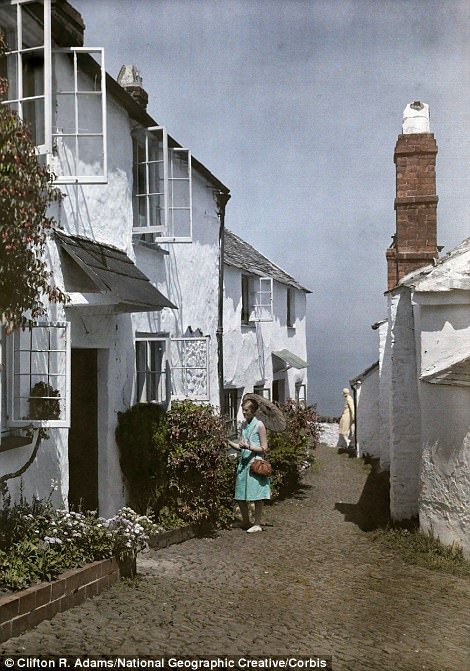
(162, 187)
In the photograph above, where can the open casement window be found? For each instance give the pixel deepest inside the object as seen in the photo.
(27, 66)
(257, 299)
(152, 368)
(262, 299)
(162, 187)
(190, 368)
(68, 124)
(79, 127)
(39, 367)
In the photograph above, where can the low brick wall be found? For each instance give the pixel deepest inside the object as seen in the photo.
(26, 609)
(166, 538)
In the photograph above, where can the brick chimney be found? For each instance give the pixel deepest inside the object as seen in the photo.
(131, 81)
(414, 243)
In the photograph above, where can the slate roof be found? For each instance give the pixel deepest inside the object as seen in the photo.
(240, 254)
(111, 271)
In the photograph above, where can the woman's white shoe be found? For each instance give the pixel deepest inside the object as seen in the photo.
(254, 529)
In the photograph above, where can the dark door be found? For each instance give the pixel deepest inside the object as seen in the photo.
(83, 434)
(278, 391)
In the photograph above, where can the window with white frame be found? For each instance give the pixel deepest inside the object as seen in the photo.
(27, 66)
(74, 143)
(40, 376)
(162, 187)
(152, 369)
(290, 307)
(79, 101)
(257, 299)
(265, 392)
(190, 368)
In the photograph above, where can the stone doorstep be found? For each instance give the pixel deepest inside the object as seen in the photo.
(26, 609)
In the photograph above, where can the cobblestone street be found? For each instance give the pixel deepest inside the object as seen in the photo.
(312, 583)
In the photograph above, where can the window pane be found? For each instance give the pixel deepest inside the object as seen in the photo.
(180, 223)
(89, 113)
(140, 361)
(40, 373)
(156, 182)
(64, 105)
(8, 26)
(9, 71)
(155, 146)
(179, 193)
(33, 73)
(32, 33)
(33, 118)
(85, 82)
(66, 155)
(90, 153)
(157, 213)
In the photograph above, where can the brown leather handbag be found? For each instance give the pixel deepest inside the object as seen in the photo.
(261, 467)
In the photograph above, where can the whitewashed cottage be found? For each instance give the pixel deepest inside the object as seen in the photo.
(265, 345)
(138, 252)
(424, 357)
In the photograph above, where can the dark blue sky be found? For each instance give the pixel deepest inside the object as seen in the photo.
(296, 106)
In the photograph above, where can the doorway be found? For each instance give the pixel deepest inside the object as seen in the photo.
(83, 433)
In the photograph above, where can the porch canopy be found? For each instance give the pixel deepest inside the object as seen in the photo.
(290, 360)
(102, 277)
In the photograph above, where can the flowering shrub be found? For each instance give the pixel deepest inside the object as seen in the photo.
(176, 463)
(291, 451)
(199, 470)
(38, 542)
(130, 531)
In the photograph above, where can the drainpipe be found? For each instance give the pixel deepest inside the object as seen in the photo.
(222, 198)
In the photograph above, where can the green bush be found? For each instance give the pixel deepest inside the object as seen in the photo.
(142, 438)
(176, 463)
(200, 472)
(291, 451)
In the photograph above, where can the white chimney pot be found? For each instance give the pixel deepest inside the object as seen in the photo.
(416, 118)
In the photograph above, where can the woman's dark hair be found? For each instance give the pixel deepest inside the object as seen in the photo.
(254, 405)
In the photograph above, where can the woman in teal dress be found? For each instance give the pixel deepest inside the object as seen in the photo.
(248, 486)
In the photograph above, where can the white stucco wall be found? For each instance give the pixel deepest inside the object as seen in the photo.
(405, 453)
(385, 389)
(189, 276)
(444, 503)
(368, 414)
(248, 348)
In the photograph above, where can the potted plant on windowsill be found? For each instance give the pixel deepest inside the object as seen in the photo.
(42, 402)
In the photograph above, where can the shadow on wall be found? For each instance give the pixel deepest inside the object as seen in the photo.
(372, 511)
